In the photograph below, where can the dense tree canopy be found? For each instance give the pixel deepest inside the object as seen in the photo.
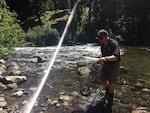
(124, 19)
(129, 19)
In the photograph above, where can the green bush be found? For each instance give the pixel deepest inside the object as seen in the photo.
(10, 32)
(43, 35)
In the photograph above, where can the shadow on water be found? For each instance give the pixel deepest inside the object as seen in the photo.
(99, 108)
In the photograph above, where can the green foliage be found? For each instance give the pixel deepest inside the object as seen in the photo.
(128, 19)
(47, 5)
(38, 7)
(43, 35)
(62, 4)
(10, 32)
(3, 4)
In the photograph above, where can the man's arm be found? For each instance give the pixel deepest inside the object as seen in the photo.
(108, 58)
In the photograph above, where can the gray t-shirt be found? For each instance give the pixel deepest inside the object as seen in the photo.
(111, 49)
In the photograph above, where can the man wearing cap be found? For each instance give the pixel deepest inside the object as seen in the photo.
(111, 61)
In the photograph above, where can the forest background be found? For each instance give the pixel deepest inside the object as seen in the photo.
(41, 22)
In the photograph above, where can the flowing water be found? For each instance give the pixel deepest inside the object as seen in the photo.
(133, 86)
(137, 59)
(134, 91)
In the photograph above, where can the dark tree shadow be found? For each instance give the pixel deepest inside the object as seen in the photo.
(99, 108)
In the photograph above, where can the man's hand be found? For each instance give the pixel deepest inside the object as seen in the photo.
(101, 59)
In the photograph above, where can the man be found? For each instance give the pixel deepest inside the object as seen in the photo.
(111, 60)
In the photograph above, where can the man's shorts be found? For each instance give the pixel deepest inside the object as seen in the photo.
(110, 72)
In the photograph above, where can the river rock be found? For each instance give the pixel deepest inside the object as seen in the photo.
(15, 72)
(17, 94)
(75, 93)
(66, 98)
(2, 99)
(3, 102)
(139, 84)
(11, 109)
(2, 70)
(146, 90)
(139, 111)
(84, 70)
(145, 82)
(12, 86)
(66, 104)
(52, 102)
(16, 79)
(3, 86)
(1, 110)
(3, 80)
(2, 61)
(40, 59)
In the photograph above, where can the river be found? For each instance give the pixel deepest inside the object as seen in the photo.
(61, 92)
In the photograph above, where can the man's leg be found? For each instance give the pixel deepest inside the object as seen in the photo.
(108, 99)
(110, 94)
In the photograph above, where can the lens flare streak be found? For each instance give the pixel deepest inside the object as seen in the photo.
(29, 105)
